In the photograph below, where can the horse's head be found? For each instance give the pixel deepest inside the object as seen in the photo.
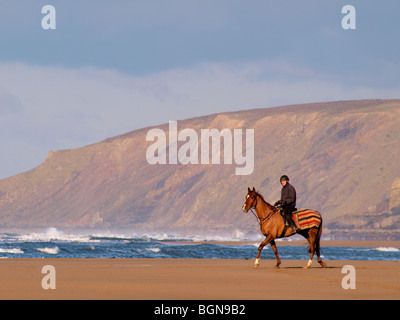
(250, 201)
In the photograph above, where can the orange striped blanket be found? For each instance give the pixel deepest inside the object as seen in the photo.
(307, 218)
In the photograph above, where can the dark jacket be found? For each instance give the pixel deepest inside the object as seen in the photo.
(288, 196)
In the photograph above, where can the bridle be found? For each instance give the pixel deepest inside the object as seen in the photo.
(260, 220)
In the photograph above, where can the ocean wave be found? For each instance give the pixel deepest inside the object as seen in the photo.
(148, 237)
(54, 250)
(387, 249)
(52, 234)
(13, 250)
(54, 242)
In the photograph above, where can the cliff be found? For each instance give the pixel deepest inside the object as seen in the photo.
(342, 157)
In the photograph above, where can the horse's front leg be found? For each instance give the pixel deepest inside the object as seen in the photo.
(260, 247)
(278, 260)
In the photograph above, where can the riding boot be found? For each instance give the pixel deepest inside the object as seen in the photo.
(291, 222)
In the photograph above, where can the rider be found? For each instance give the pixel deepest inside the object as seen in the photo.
(288, 200)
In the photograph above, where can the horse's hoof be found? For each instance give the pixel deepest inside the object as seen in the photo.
(308, 265)
(256, 265)
(277, 266)
(323, 264)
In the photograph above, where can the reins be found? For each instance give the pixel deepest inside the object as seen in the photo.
(261, 220)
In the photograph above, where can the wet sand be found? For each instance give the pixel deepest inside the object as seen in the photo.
(204, 279)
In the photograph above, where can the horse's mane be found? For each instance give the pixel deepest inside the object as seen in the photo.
(262, 197)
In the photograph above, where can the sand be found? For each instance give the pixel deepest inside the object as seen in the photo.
(204, 279)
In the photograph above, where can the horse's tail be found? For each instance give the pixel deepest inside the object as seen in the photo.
(318, 238)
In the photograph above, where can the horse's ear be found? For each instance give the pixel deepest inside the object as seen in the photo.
(248, 189)
(254, 189)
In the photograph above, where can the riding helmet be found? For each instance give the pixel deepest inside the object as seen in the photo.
(284, 178)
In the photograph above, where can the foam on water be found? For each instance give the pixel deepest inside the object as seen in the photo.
(52, 234)
(387, 249)
(54, 250)
(12, 250)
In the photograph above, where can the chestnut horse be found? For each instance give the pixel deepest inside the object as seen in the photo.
(273, 226)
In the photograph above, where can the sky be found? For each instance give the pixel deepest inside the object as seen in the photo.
(111, 67)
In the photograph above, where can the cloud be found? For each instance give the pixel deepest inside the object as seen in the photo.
(9, 104)
(57, 108)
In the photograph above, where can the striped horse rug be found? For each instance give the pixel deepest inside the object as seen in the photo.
(307, 218)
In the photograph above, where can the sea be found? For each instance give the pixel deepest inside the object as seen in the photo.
(55, 243)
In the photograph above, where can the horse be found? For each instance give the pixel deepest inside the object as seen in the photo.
(273, 226)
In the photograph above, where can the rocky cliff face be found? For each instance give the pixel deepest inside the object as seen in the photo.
(342, 157)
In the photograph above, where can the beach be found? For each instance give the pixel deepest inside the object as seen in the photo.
(204, 279)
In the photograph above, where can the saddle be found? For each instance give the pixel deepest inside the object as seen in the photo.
(304, 219)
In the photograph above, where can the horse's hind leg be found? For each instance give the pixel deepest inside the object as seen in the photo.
(312, 240)
(323, 264)
(317, 247)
